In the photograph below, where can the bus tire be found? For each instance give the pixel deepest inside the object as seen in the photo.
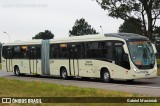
(105, 76)
(17, 71)
(63, 73)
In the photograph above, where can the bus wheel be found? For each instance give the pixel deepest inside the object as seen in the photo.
(16, 71)
(105, 76)
(63, 73)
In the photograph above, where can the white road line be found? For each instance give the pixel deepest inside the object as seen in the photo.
(136, 86)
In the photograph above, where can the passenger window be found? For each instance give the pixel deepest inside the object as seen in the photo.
(34, 52)
(64, 53)
(24, 51)
(80, 50)
(119, 55)
(92, 50)
(7, 52)
(55, 52)
(17, 52)
(105, 50)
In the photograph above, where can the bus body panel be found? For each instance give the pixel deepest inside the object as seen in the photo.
(56, 64)
(79, 66)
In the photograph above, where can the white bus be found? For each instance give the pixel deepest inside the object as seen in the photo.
(109, 56)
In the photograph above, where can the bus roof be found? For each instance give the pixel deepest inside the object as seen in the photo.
(113, 36)
(127, 36)
(28, 42)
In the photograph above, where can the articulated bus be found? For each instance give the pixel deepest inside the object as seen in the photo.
(123, 56)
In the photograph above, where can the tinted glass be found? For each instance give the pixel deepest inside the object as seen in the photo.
(92, 50)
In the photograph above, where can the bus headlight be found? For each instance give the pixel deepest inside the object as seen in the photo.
(155, 67)
(135, 69)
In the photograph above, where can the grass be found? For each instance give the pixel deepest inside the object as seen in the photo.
(158, 70)
(40, 89)
(158, 61)
(18, 88)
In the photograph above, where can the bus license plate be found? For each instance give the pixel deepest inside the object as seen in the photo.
(147, 75)
(144, 72)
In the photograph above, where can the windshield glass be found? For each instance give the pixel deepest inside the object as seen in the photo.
(142, 54)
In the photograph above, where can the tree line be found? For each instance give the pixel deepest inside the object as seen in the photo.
(146, 12)
(81, 27)
(139, 17)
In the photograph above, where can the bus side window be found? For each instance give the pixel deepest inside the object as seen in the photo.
(92, 49)
(118, 55)
(38, 49)
(7, 52)
(33, 52)
(24, 51)
(105, 50)
(81, 50)
(64, 52)
(54, 51)
(16, 52)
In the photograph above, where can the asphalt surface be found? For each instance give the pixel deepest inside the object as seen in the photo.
(147, 87)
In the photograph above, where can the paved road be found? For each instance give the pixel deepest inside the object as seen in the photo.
(148, 87)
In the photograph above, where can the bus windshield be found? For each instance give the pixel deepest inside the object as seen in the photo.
(142, 54)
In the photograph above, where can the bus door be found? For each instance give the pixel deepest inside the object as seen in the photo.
(9, 60)
(73, 60)
(33, 60)
(119, 59)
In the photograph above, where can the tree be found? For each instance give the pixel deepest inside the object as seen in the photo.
(81, 27)
(129, 27)
(44, 35)
(146, 10)
(156, 33)
(157, 30)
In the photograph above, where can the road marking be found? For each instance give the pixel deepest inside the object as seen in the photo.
(143, 86)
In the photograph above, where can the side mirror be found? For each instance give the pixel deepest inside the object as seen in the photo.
(154, 48)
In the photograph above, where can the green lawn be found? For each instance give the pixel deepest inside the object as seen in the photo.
(17, 88)
(158, 72)
(36, 88)
(158, 61)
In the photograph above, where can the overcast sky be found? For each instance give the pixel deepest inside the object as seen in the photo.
(23, 19)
